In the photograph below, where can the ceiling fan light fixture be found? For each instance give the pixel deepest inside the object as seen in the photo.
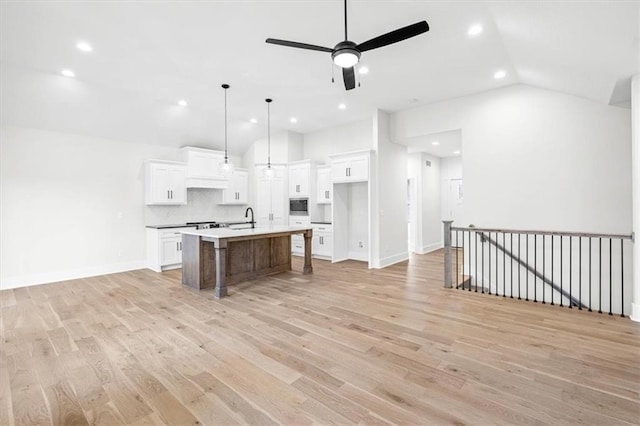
(345, 54)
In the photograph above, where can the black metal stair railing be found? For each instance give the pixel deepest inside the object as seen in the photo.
(577, 270)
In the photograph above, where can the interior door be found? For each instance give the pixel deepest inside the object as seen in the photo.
(456, 195)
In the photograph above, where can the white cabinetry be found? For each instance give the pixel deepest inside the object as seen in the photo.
(322, 241)
(301, 179)
(324, 191)
(238, 190)
(164, 248)
(350, 167)
(297, 241)
(270, 196)
(165, 182)
(203, 168)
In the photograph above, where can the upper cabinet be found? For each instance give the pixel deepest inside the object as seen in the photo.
(238, 190)
(350, 167)
(324, 190)
(165, 182)
(203, 168)
(301, 179)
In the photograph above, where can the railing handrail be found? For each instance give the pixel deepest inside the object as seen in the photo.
(530, 232)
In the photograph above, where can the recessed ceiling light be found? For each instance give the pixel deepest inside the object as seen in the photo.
(253, 120)
(363, 70)
(68, 73)
(474, 30)
(342, 106)
(182, 103)
(84, 46)
(456, 152)
(435, 143)
(500, 74)
(293, 120)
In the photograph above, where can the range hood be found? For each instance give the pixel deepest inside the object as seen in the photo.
(203, 168)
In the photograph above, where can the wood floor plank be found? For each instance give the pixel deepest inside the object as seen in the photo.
(344, 345)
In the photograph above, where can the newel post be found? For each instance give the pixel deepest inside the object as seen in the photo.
(447, 254)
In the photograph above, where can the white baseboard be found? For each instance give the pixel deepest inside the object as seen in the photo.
(52, 277)
(429, 248)
(390, 260)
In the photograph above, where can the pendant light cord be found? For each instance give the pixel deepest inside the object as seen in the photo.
(269, 133)
(345, 20)
(226, 157)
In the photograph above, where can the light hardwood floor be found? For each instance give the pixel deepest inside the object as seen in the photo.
(344, 345)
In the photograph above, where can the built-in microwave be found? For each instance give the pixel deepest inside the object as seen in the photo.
(299, 206)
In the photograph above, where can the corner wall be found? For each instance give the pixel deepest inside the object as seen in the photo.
(536, 159)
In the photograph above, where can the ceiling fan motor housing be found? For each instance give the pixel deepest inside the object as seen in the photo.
(350, 51)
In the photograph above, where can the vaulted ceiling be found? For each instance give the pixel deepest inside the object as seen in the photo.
(149, 55)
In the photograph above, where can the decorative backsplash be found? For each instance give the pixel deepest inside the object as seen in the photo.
(202, 205)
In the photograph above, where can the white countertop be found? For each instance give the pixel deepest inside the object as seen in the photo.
(244, 232)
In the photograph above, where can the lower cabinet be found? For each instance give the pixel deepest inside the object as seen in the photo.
(297, 241)
(164, 248)
(322, 242)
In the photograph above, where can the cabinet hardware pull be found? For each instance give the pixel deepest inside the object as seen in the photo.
(168, 194)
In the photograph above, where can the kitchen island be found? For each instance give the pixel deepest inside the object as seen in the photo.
(215, 258)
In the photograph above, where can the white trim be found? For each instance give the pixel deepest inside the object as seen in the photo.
(430, 247)
(51, 277)
(390, 260)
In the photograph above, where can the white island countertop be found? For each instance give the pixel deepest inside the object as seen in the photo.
(221, 233)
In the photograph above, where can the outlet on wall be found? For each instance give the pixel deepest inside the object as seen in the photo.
(360, 244)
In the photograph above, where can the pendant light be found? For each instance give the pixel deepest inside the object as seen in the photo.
(268, 171)
(226, 168)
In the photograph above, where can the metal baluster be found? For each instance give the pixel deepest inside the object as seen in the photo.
(570, 271)
(497, 268)
(544, 276)
(610, 279)
(621, 277)
(552, 269)
(511, 269)
(589, 274)
(469, 260)
(504, 265)
(580, 273)
(527, 279)
(475, 234)
(482, 238)
(600, 275)
(535, 263)
(519, 246)
(489, 263)
(561, 288)
(457, 250)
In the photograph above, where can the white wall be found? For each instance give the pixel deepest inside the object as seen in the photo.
(431, 204)
(535, 159)
(389, 203)
(318, 146)
(73, 206)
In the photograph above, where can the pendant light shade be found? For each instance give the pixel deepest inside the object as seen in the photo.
(226, 168)
(268, 171)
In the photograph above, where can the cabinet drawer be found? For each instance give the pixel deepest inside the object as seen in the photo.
(299, 221)
(174, 232)
(323, 228)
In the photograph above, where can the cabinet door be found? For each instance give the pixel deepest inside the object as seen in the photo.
(324, 186)
(278, 199)
(170, 251)
(177, 186)
(327, 245)
(160, 183)
(263, 201)
(339, 170)
(297, 244)
(298, 181)
(241, 179)
(359, 168)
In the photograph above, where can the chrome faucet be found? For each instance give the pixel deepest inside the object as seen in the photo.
(246, 214)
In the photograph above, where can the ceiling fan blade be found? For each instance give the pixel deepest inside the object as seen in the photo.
(299, 45)
(349, 77)
(394, 36)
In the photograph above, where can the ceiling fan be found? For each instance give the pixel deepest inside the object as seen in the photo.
(346, 54)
